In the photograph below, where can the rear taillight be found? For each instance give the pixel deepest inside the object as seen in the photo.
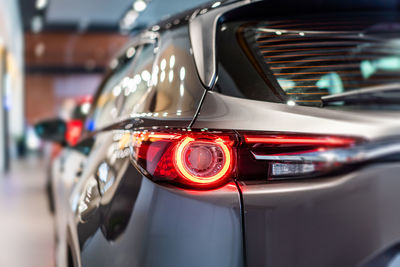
(208, 159)
(292, 156)
(190, 159)
(203, 161)
(74, 130)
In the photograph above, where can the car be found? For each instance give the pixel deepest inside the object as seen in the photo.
(240, 133)
(73, 129)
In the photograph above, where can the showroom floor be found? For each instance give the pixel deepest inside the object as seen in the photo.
(26, 226)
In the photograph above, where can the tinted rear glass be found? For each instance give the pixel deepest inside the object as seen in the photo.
(306, 58)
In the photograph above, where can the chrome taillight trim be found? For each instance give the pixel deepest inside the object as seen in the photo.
(293, 158)
(357, 154)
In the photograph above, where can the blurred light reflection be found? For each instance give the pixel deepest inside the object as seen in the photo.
(117, 91)
(172, 61)
(162, 76)
(182, 73)
(163, 64)
(146, 75)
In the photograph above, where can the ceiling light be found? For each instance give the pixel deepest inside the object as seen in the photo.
(37, 24)
(39, 49)
(139, 5)
(41, 4)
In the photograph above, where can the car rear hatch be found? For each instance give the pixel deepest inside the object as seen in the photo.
(314, 203)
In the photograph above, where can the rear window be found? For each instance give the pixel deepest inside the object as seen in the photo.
(302, 59)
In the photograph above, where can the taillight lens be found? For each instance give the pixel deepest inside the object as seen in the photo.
(203, 161)
(293, 156)
(74, 130)
(208, 159)
(191, 159)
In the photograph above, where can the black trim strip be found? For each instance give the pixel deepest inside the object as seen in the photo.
(203, 97)
(243, 222)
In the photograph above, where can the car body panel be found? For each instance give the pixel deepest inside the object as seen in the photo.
(65, 174)
(335, 221)
(314, 222)
(225, 112)
(86, 220)
(181, 228)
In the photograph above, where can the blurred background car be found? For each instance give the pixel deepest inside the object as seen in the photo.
(74, 126)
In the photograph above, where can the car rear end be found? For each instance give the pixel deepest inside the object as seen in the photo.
(261, 172)
(319, 181)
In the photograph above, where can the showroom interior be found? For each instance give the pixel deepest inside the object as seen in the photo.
(53, 55)
(176, 133)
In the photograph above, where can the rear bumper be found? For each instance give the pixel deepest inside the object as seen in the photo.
(338, 221)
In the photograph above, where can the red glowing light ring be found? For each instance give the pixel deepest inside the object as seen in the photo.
(186, 174)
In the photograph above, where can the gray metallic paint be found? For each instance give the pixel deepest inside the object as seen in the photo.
(171, 227)
(225, 112)
(336, 221)
(150, 224)
(203, 34)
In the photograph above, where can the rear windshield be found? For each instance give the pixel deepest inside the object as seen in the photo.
(301, 59)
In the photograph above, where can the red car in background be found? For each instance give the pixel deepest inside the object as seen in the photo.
(75, 124)
(73, 132)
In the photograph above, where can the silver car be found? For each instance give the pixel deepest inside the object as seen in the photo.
(241, 133)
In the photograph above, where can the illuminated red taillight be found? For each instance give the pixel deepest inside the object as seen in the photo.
(203, 160)
(193, 159)
(292, 156)
(74, 130)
